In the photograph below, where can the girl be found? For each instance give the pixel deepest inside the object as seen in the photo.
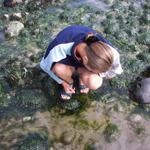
(80, 49)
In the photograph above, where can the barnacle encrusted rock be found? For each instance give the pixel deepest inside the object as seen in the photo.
(13, 28)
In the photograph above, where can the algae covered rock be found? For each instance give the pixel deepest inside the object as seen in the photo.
(13, 28)
(70, 105)
(29, 100)
(142, 93)
(15, 16)
(11, 3)
(111, 132)
(109, 1)
(144, 38)
(12, 72)
(33, 141)
(67, 137)
(112, 27)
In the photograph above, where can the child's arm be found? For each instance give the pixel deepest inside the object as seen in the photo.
(56, 54)
(68, 88)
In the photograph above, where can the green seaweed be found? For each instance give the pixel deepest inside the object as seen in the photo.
(140, 130)
(81, 124)
(33, 141)
(111, 132)
(126, 27)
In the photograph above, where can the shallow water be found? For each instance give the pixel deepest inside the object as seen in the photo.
(28, 98)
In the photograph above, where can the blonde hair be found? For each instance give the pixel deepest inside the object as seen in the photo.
(100, 56)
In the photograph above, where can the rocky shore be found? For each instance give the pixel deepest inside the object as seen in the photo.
(112, 117)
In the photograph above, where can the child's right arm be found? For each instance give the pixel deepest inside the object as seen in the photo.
(56, 54)
(68, 88)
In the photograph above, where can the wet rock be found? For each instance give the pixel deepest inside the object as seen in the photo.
(144, 38)
(24, 103)
(5, 17)
(27, 118)
(141, 91)
(72, 105)
(33, 5)
(118, 107)
(15, 16)
(137, 122)
(31, 99)
(136, 118)
(109, 1)
(13, 28)
(12, 72)
(68, 137)
(4, 86)
(111, 26)
(11, 3)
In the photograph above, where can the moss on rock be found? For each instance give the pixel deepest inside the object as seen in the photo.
(33, 141)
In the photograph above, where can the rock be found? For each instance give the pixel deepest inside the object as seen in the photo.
(11, 3)
(136, 118)
(142, 91)
(27, 118)
(144, 38)
(68, 137)
(13, 28)
(111, 132)
(71, 106)
(109, 1)
(5, 17)
(15, 16)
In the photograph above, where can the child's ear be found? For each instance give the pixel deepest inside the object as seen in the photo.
(85, 59)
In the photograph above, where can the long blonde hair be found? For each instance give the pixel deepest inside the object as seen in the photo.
(100, 56)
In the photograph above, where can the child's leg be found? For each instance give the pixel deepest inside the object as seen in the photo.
(65, 73)
(91, 80)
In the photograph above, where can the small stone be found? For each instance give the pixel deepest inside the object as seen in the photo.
(67, 137)
(93, 104)
(109, 2)
(5, 17)
(136, 118)
(28, 118)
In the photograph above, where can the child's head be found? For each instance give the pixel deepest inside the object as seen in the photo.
(99, 57)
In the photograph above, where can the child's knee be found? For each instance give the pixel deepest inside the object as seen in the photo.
(95, 82)
(61, 69)
(58, 68)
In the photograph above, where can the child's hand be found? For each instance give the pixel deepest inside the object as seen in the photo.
(68, 88)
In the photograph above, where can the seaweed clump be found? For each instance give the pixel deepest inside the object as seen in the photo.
(111, 132)
(33, 141)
